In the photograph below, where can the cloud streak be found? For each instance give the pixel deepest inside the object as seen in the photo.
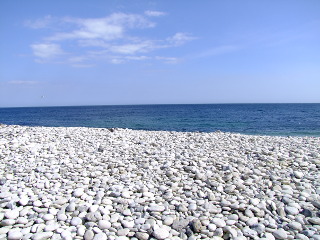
(46, 51)
(111, 36)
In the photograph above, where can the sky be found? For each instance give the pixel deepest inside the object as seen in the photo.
(110, 52)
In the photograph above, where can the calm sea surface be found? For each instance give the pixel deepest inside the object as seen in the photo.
(262, 119)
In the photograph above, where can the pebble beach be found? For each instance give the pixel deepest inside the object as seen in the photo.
(119, 184)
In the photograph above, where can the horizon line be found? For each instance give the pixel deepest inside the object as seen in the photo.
(157, 104)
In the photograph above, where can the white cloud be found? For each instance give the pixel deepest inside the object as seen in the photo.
(108, 28)
(132, 48)
(180, 38)
(218, 51)
(87, 40)
(170, 60)
(23, 82)
(39, 23)
(154, 13)
(46, 50)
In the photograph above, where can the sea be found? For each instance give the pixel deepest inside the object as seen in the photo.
(253, 119)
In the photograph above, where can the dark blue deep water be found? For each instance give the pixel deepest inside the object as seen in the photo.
(262, 119)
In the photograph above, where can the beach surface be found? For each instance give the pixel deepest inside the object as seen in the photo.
(95, 183)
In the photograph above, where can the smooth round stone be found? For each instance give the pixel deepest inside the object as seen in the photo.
(14, 234)
(12, 214)
(126, 194)
(122, 238)
(100, 236)
(65, 234)
(42, 235)
(37, 203)
(7, 222)
(104, 224)
(88, 235)
(252, 221)
(71, 207)
(161, 233)
(148, 194)
(212, 227)
(314, 220)
(48, 217)
(295, 226)
(280, 234)
(298, 174)
(127, 212)
(168, 221)
(141, 235)
(78, 192)
(192, 207)
(128, 224)
(81, 231)
(218, 222)
(4, 230)
(76, 221)
(62, 217)
(123, 232)
(23, 201)
(255, 201)
(22, 220)
(156, 208)
(291, 210)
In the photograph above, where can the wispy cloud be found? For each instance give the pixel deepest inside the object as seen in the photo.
(39, 23)
(154, 13)
(224, 49)
(47, 51)
(23, 82)
(109, 37)
(180, 38)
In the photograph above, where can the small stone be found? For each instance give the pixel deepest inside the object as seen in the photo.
(179, 224)
(78, 192)
(125, 194)
(100, 236)
(76, 221)
(104, 224)
(168, 221)
(7, 222)
(156, 208)
(314, 220)
(12, 214)
(316, 204)
(161, 233)
(196, 225)
(42, 236)
(298, 174)
(295, 226)
(212, 227)
(127, 212)
(218, 222)
(71, 207)
(88, 235)
(23, 201)
(291, 210)
(123, 232)
(14, 234)
(48, 217)
(141, 235)
(280, 234)
(62, 217)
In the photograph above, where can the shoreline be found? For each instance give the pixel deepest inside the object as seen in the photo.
(297, 135)
(98, 183)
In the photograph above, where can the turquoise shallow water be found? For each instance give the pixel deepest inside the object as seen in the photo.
(260, 119)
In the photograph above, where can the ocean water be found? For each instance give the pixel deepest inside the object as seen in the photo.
(259, 119)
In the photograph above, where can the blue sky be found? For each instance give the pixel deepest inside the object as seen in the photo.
(100, 52)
